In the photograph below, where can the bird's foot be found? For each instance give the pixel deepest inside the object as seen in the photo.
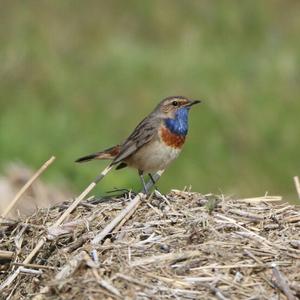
(121, 193)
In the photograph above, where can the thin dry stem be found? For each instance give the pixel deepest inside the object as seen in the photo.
(297, 185)
(27, 185)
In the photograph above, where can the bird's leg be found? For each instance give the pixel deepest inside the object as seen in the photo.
(143, 181)
(152, 179)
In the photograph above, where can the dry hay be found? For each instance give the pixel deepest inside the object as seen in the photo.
(180, 246)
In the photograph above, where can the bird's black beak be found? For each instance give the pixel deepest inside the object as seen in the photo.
(193, 102)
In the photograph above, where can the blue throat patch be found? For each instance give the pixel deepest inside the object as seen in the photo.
(179, 125)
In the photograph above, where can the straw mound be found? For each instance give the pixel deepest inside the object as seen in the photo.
(181, 246)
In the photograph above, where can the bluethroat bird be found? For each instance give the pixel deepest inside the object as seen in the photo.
(155, 142)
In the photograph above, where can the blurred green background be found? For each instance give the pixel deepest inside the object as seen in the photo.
(77, 76)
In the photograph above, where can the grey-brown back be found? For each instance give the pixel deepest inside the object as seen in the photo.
(145, 131)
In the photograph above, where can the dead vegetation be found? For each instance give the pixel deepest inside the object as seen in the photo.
(183, 245)
(18, 178)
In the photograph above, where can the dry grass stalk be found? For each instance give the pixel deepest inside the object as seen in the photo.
(283, 283)
(27, 185)
(6, 255)
(262, 199)
(124, 214)
(82, 196)
(105, 284)
(297, 185)
(165, 258)
(69, 268)
(33, 266)
(30, 271)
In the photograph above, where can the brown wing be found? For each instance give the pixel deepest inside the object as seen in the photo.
(142, 134)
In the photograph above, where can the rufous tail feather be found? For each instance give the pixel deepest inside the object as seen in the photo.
(109, 153)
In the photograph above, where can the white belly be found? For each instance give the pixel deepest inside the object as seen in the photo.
(153, 157)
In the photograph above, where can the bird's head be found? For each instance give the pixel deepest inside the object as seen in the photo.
(169, 106)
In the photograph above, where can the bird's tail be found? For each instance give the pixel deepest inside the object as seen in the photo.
(109, 153)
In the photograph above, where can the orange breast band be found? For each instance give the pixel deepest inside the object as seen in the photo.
(171, 139)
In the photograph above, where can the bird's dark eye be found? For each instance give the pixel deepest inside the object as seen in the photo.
(175, 103)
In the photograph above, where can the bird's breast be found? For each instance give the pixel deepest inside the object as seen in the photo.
(171, 139)
(158, 153)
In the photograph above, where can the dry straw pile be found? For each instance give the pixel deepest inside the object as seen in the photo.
(183, 245)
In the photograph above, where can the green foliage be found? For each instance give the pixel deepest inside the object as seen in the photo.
(77, 76)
